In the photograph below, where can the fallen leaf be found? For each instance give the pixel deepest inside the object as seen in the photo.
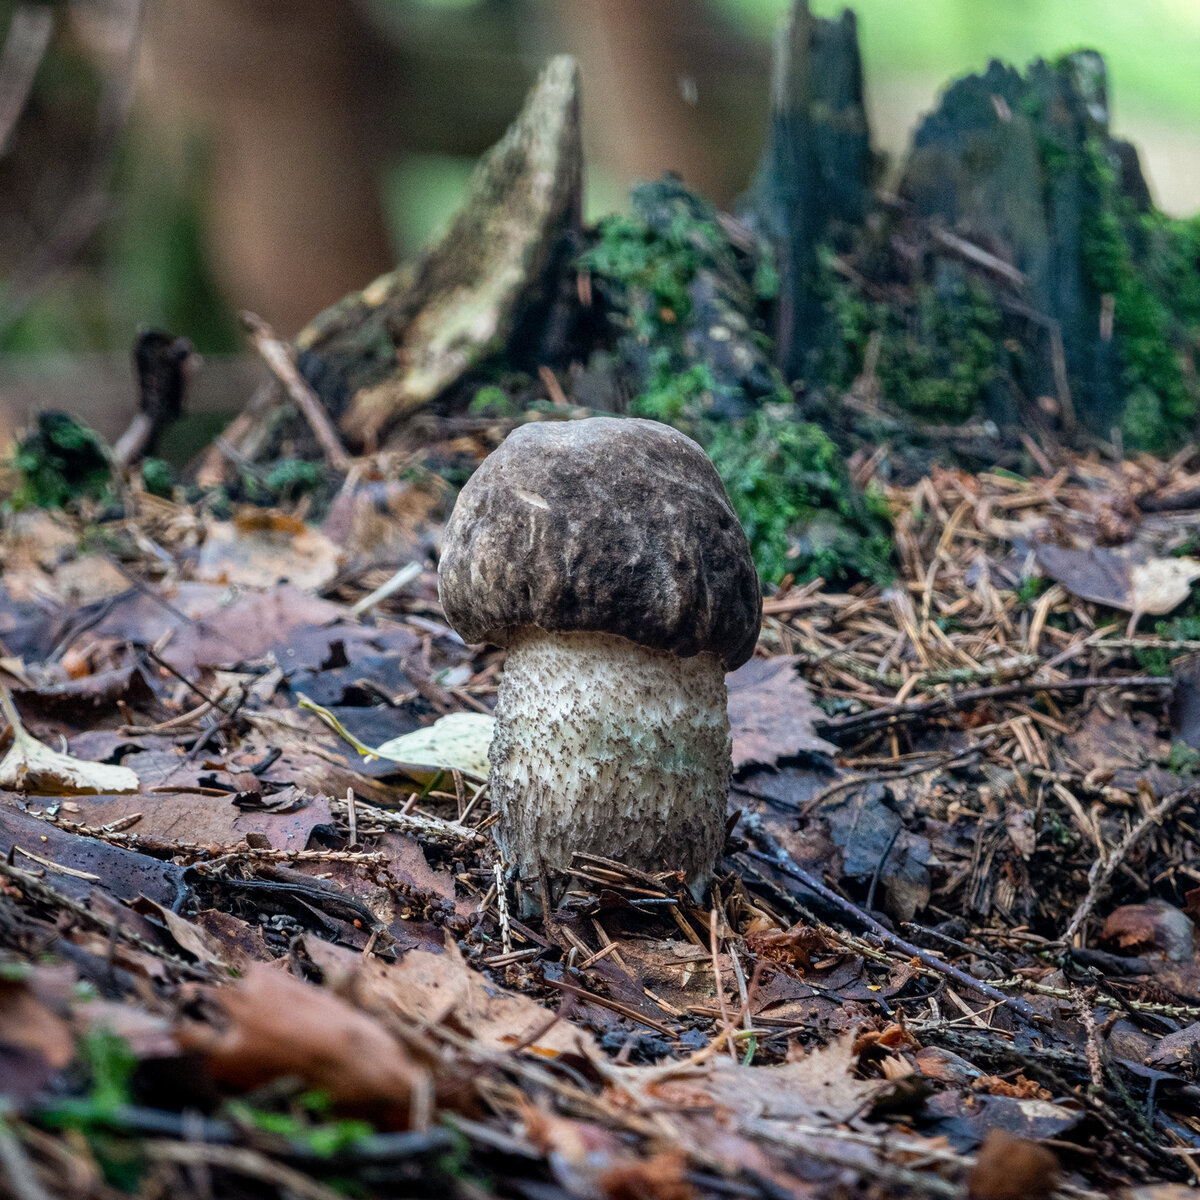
(1124, 578)
(1012, 1168)
(208, 820)
(771, 712)
(459, 745)
(430, 987)
(261, 548)
(1018, 1088)
(1155, 926)
(819, 1085)
(798, 945)
(458, 740)
(1178, 1051)
(275, 1026)
(203, 946)
(209, 625)
(32, 768)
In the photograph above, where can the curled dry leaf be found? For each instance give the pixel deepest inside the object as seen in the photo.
(33, 768)
(275, 1026)
(798, 945)
(1155, 927)
(1012, 1168)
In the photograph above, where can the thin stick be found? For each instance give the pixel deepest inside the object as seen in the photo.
(352, 816)
(405, 575)
(777, 857)
(714, 948)
(1103, 868)
(279, 358)
(502, 908)
(955, 700)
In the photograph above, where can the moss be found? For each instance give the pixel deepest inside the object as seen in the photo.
(674, 396)
(939, 350)
(802, 514)
(59, 462)
(1148, 263)
(652, 268)
(158, 477)
(290, 478)
(1031, 588)
(492, 401)
(1183, 760)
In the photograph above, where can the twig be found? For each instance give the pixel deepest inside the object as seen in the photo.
(211, 468)
(623, 1009)
(949, 763)
(405, 575)
(1103, 868)
(777, 857)
(352, 816)
(1086, 1013)
(17, 1169)
(279, 358)
(856, 722)
(413, 823)
(502, 907)
(719, 983)
(242, 1161)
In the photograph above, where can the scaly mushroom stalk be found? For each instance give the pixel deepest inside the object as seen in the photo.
(610, 748)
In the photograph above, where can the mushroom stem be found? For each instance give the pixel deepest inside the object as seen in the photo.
(610, 748)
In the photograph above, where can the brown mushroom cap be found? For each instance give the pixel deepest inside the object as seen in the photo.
(605, 525)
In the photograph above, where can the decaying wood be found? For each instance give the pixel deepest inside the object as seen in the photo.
(397, 345)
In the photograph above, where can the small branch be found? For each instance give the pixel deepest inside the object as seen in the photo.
(979, 256)
(279, 358)
(777, 857)
(1103, 868)
(857, 722)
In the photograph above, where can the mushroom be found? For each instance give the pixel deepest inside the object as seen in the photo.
(604, 555)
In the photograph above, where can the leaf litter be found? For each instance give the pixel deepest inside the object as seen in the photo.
(951, 944)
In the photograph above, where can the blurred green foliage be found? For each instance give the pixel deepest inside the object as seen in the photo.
(60, 460)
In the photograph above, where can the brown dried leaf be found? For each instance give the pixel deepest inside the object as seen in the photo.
(275, 1026)
(1125, 578)
(1153, 927)
(428, 987)
(261, 548)
(1012, 1168)
(1019, 1088)
(771, 712)
(813, 1086)
(798, 945)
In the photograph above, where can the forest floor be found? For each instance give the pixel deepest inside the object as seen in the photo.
(951, 942)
